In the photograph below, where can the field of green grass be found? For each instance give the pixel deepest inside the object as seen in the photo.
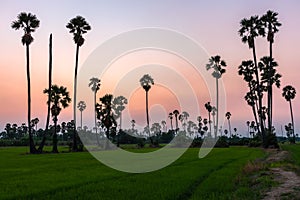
(80, 176)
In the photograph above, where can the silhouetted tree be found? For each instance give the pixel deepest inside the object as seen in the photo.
(289, 93)
(28, 23)
(59, 99)
(77, 26)
(171, 118)
(164, 125)
(217, 65)
(248, 128)
(119, 105)
(95, 86)
(146, 81)
(81, 107)
(208, 107)
(228, 115)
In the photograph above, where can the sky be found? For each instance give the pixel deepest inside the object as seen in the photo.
(212, 24)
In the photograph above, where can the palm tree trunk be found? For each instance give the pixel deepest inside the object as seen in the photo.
(217, 104)
(49, 96)
(54, 148)
(75, 147)
(81, 120)
(209, 122)
(97, 138)
(147, 115)
(32, 148)
(171, 125)
(259, 98)
(292, 118)
(270, 92)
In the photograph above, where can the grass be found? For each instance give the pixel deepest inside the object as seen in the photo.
(295, 156)
(80, 176)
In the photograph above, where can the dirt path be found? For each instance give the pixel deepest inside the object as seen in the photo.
(289, 182)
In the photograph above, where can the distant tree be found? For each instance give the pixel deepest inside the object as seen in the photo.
(289, 93)
(77, 26)
(248, 126)
(217, 65)
(228, 115)
(208, 107)
(183, 117)
(164, 125)
(95, 86)
(106, 115)
(29, 23)
(146, 81)
(59, 99)
(81, 107)
(176, 113)
(171, 118)
(119, 105)
(132, 124)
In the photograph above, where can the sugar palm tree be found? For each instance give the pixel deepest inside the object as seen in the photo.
(77, 26)
(248, 128)
(119, 105)
(183, 117)
(105, 114)
(217, 65)
(28, 23)
(59, 99)
(42, 144)
(164, 125)
(208, 107)
(250, 29)
(271, 24)
(95, 86)
(228, 115)
(176, 113)
(171, 120)
(146, 81)
(81, 107)
(289, 93)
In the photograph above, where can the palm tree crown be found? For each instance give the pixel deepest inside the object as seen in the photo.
(216, 64)
(94, 84)
(81, 106)
(146, 81)
(78, 26)
(288, 92)
(28, 22)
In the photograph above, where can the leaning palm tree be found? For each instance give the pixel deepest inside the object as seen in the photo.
(217, 65)
(28, 23)
(289, 93)
(59, 99)
(228, 115)
(78, 26)
(81, 107)
(250, 29)
(146, 81)
(95, 86)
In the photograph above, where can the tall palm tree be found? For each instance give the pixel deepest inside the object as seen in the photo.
(271, 24)
(42, 144)
(171, 120)
(146, 81)
(183, 117)
(81, 107)
(250, 29)
(95, 86)
(28, 23)
(289, 93)
(176, 113)
(59, 99)
(208, 107)
(228, 115)
(132, 124)
(217, 65)
(78, 26)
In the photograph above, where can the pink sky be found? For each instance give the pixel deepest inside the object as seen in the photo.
(213, 24)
